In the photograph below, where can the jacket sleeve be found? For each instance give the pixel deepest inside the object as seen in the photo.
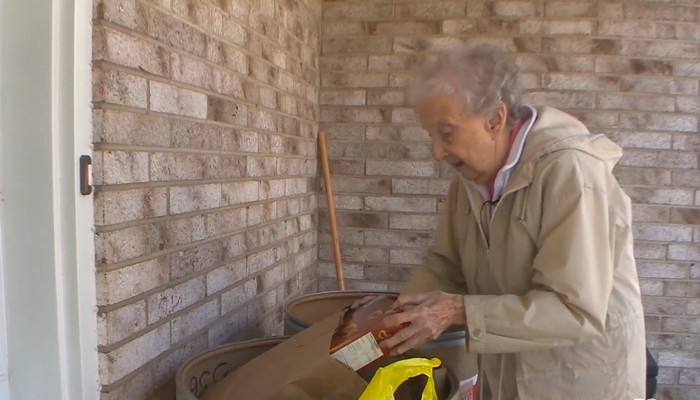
(443, 270)
(572, 270)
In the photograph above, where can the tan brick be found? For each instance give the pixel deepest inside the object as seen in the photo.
(663, 270)
(355, 80)
(636, 66)
(118, 285)
(649, 213)
(357, 45)
(350, 271)
(184, 326)
(663, 233)
(226, 221)
(648, 48)
(407, 256)
(402, 168)
(237, 296)
(239, 192)
(344, 10)
(113, 207)
(357, 254)
(582, 82)
(120, 127)
(567, 27)
(643, 176)
(689, 377)
(122, 49)
(651, 287)
(567, 9)
(581, 45)
(139, 386)
(119, 362)
(431, 10)
(119, 88)
(386, 97)
(661, 159)
(342, 97)
(612, 11)
(660, 196)
(196, 72)
(170, 99)
(637, 29)
(405, 27)
(344, 63)
(117, 167)
(687, 216)
(363, 220)
(680, 324)
(195, 259)
(193, 198)
(563, 99)
(178, 166)
(515, 8)
(165, 29)
(686, 178)
(356, 115)
(414, 222)
(400, 204)
(113, 326)
(660, 11)
(684, 252)
(659, 121)
(642, 140)
(659, 85)
(184, 231)
(636, 102)
(664, 306)
(178, 297)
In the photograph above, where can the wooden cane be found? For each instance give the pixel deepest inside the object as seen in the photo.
(323, 151)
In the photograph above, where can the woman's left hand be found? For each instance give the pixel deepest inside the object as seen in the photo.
(428, 315)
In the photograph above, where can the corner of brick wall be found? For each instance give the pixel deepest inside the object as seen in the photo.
(629, 70)
(205, 120)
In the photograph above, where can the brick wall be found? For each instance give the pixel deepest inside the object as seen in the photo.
(205, 118)
(629, 69)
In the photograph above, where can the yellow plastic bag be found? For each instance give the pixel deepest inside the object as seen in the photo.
(387, 379)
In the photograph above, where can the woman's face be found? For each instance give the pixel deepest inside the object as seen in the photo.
(466, 142)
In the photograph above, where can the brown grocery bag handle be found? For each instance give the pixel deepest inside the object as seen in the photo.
(323, 152)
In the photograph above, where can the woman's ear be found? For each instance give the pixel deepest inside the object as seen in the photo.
(498, 121)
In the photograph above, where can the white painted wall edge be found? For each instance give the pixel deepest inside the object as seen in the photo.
(73, 212)
(84, 205)
(4, 379)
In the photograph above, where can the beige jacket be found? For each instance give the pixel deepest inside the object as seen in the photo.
(552, 303)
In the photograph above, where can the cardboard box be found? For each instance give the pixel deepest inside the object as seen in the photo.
(300, 368)
(355, 342)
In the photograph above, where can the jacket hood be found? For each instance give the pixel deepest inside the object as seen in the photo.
(557, 130)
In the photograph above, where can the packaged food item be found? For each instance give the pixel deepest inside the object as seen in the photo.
(356, 340)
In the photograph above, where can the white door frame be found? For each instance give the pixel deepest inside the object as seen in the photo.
(47, 250)
(4, 380)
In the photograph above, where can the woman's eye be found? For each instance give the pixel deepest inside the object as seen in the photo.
(445, 132)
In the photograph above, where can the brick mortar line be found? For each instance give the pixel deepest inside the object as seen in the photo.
(100, 229)
(102, 146)
(244, 24)
(199, 274)
(173, 348)
(205, 60)
(194, 182)
(103, 65)
(143, 111)
(192, 245)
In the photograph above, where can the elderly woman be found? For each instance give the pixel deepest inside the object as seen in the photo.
(534, 253)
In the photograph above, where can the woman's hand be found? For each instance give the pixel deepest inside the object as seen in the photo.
(428, 314)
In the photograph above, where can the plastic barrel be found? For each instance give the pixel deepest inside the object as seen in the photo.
(306, 310)
(202, 370)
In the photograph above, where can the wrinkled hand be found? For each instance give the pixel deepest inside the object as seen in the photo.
(428, 314)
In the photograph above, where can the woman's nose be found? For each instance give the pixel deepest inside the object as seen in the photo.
(438, 150)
